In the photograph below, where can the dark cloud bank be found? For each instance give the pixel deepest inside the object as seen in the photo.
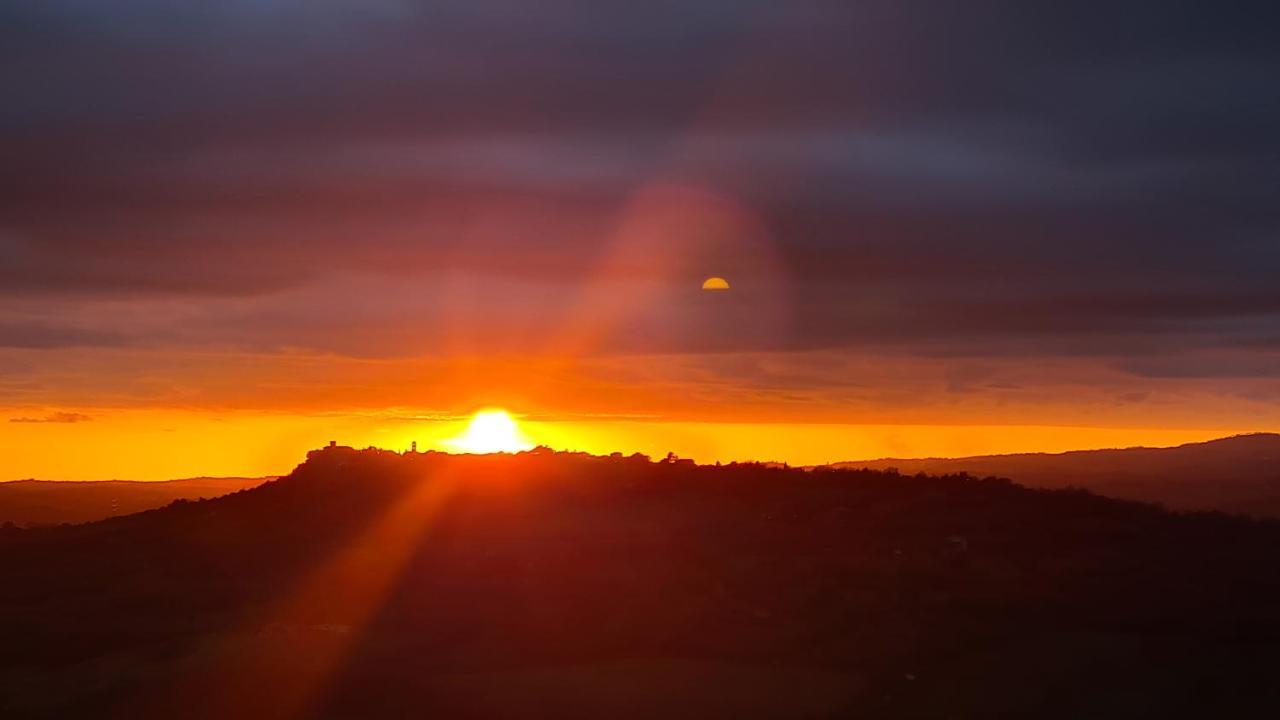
(960, 178)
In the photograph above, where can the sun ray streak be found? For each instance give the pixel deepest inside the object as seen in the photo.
(269, 678)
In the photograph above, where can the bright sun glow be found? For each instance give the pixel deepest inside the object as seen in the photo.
(491, 431)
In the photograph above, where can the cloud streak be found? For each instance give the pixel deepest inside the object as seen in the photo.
(67, 418)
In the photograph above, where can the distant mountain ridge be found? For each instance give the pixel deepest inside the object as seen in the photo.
(51, 502)
(1238, 474)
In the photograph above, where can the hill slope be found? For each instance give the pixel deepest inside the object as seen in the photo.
(50, 502)
(369, 584)
(1237, 474)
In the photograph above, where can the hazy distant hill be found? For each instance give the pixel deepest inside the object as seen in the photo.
(1237, 474)
(373, 585)
(43, 502)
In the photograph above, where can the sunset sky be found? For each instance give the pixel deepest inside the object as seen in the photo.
(233, 231)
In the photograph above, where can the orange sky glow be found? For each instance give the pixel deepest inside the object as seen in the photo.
(166, 444)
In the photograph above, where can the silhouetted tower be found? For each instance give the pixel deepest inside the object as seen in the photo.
(333, 443)
(413, 446)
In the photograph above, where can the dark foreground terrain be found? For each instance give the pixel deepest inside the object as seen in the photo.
(369, 584)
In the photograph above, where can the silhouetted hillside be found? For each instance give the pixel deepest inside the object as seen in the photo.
(49, 502)
(370, 584)
(1237, 474)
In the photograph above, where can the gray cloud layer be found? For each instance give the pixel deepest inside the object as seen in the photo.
(953, 178)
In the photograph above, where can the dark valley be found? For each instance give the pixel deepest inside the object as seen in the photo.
(52, 502)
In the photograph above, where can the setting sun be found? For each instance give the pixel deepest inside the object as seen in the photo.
(491, 431)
